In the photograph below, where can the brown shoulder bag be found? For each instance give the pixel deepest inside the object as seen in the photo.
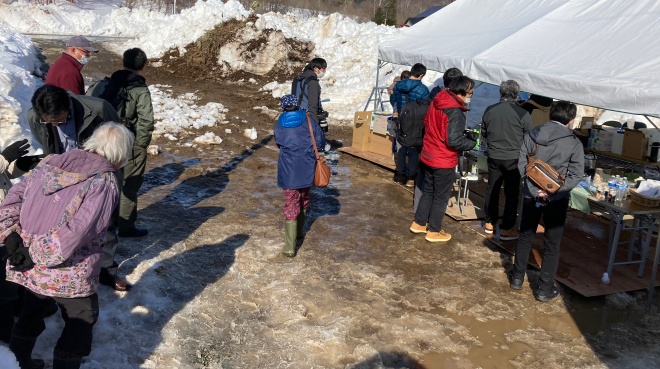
(322, 171)
(543, 174)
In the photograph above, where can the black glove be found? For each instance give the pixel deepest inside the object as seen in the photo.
(471, 135)
(28, 162)
(15, 150)
(21, 260)
(12, 242)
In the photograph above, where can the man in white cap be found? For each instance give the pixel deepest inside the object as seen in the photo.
(65, 71)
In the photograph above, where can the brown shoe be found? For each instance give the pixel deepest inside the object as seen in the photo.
(489, 228)
(114, 281)
(508, 234)
(416, 228)
(441, 236)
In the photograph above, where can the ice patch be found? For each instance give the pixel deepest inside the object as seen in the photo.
(208, 138)
(620, 300)
(250, 133)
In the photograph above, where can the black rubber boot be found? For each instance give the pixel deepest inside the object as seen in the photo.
(65, 360)
(22, 347)
(301, 224)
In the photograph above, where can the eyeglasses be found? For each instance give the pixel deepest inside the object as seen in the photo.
(85, 52)
(56, 122)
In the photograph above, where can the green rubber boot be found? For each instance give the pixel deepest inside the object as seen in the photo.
(290, 238)
(301, 224)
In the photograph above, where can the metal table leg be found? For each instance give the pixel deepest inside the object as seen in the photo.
(656, 260)
(614, 243)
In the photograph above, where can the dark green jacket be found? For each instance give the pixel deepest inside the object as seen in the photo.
(88, 112)
(139, 109)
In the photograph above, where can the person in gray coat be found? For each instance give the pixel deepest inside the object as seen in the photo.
(503, 126)
(555, 144)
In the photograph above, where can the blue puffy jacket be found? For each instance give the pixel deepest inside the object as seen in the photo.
(297, 161)
(414, 89)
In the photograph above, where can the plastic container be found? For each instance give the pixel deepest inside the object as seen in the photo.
(617, 142)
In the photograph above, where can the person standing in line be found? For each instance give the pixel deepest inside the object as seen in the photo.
(406, 91)
(450, 75)
(555, 144)
(504, 126)
(444, 138)
(61, 122)
(54, 223)
(390, 90)
(139, 113)
(295, 166)
(307, 89)
(65, 71)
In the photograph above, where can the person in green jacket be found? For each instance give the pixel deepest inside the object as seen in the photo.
(140, 115)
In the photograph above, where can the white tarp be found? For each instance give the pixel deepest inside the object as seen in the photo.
(601, 53)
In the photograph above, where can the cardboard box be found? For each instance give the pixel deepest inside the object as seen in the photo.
(361, 130)
(604, 134)
(380, 144)
(634, 144)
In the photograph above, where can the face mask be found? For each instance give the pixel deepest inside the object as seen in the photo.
(320, 75)
(467, 100)
(84, 60)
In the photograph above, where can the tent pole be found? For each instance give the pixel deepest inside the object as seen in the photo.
(377, 91)
(650, 121)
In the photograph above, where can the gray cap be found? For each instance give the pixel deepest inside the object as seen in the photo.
(81, 42)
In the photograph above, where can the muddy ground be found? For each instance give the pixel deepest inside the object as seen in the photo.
(213, 291)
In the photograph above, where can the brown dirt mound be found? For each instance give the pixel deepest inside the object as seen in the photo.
(200, 61)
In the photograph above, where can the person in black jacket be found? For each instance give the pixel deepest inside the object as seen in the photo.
(307, 89)
(503, 126)
(555, 144)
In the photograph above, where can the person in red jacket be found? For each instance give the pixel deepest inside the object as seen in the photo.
(444, 139)
(65, 71)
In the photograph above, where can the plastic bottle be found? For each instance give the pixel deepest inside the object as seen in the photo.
(625, 188)
(620, 189)
(611, 188)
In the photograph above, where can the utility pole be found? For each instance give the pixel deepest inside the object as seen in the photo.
(174, 7)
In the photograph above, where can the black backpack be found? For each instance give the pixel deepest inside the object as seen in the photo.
(116, 94)
(410, 130)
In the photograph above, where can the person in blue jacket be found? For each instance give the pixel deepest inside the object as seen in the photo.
(405, 91)
(295, 166)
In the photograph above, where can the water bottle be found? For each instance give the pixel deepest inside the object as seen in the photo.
(619, 191)
(625, 188)
(611, 188)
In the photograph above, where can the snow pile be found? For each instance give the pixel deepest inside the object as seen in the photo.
(155, 32)
(241, 54)
(208, 138)
(174, 115)
(17, 64)
(7, 359)
(250, 133)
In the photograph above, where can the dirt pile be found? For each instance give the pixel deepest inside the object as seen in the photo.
(237, 49)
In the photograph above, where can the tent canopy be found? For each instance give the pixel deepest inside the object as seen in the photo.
(604, 54)
(414, 20)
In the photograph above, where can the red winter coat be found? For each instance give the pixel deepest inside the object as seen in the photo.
(444, 124)
(65, 73)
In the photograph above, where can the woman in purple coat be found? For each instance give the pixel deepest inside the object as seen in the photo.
(53, 224)
(295, 166)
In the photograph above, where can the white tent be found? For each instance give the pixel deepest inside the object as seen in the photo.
(601, 53)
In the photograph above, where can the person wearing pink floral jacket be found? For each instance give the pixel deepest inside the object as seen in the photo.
(53, 224)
